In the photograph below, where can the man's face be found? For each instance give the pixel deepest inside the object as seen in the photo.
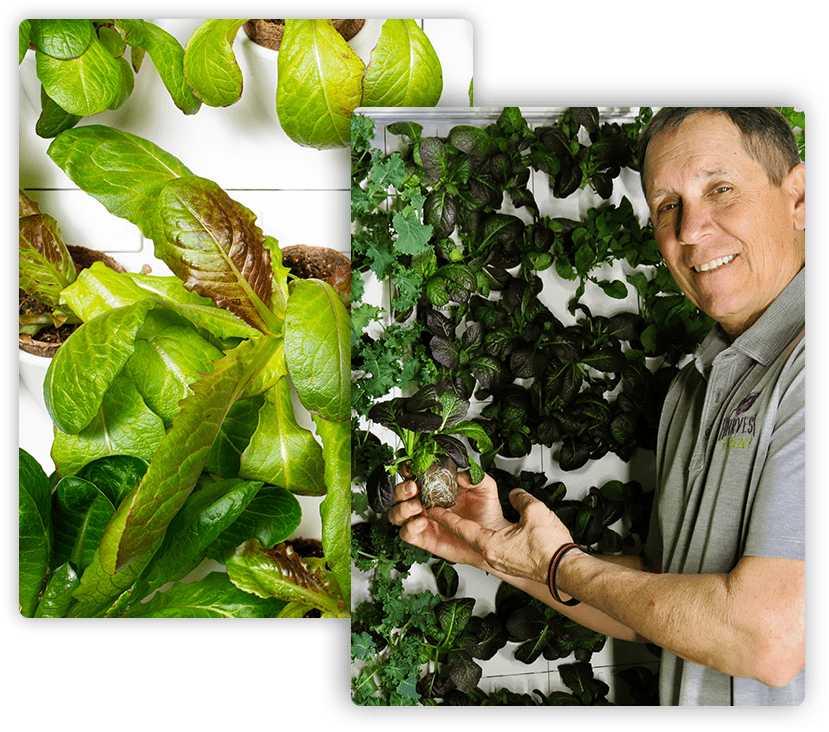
(728, 235)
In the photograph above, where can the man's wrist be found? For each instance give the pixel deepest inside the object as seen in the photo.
(560, 556)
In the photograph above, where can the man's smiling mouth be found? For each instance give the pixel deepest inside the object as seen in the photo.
(713, 264)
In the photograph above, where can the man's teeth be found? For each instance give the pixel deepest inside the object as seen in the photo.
(714, 264)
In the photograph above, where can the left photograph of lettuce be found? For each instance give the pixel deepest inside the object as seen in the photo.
(185, 289)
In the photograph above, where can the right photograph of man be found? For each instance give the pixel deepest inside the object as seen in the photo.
(720, 584)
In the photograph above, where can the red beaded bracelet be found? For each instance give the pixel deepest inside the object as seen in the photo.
(551, 574)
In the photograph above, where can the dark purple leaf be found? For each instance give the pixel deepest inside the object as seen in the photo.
(473, 141)
(484, 636)
(622, 428)
(439, 324)
(526, 363)
(626, 326)
(386, 413)
(464, 672)
(603, 184)
(445, 352)
(454, 448)
(555, 140)
(440, 212)
(424, 398)
(518, 445)
(573, 455)
(587, 117)
(420, 421)
(432, 156)
(380, 490)
(472, 336)
(571, 384)
(548, 431)
(500, 167)
(500, 342)
(489, 372)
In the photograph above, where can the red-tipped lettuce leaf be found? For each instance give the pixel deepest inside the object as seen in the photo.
(212, 244)
(45, 265)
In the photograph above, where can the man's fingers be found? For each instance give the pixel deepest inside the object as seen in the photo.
(473, 534)
(405, 490)
(406, 504)
(412, 530)
(519, 498)
(487, 483)
(530, 508)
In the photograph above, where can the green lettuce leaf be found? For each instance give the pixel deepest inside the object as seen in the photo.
(281, 452)
(115, 476)
(99, 589)
(24, 32)
(205, 514)
(122, 171)
(123, 425)
(270, 518)
(80, 512)
(167, 56)
(335, 509)
(143, 516)
(168, 358)
(214, 596)
(35, 531)
(404, 70)
(234, 437)
(57, 595)
(317, 349)
(210, 65)
(99, 289)
(62, 38)
(319, 84)
(86, 365)
(84, 85)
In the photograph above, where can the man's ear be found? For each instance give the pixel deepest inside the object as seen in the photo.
(795, 186)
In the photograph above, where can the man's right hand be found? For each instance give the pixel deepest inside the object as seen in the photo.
(478, 503)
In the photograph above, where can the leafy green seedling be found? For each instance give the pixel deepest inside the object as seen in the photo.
(45, 268)
(189, 372)
(82, 67)
(62, 525)
(320, 78)
(429, 424)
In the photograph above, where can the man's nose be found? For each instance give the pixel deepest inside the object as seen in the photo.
(694, 223)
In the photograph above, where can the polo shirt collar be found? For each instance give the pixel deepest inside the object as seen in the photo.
(765, 340)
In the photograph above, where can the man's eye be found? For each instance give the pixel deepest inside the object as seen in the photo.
(666, 207)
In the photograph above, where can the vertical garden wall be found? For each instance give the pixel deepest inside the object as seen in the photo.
(508, 280)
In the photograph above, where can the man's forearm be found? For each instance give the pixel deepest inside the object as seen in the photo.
(584, 613)
(688, 615)
(749, 622)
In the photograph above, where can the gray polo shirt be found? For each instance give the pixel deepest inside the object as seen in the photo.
(731, 475)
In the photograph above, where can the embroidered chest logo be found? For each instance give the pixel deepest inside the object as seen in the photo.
(737, 431)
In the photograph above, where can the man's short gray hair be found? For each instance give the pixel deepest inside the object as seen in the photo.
(767, 137)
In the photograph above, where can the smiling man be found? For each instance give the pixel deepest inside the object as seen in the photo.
(721, 585)
(730, 232)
